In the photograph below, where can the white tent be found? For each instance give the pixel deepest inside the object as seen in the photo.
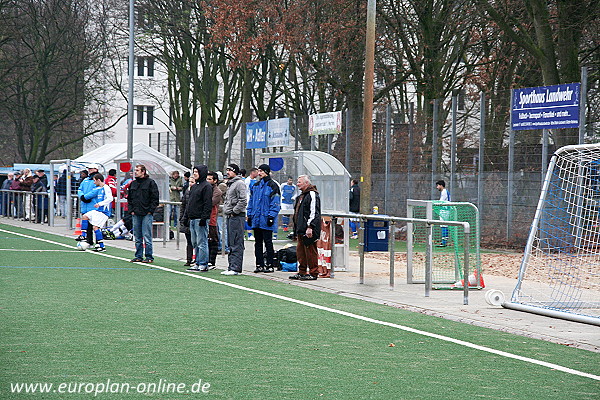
(105, 155)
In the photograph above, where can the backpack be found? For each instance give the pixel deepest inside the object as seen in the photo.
(287, 254)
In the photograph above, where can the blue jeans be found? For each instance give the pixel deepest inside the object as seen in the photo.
(174, 215)
(200, 241)
(222, 233)
(142, 230)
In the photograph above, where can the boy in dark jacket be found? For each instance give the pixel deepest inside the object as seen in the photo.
(198, 211)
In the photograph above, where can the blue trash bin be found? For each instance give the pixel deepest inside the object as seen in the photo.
(376, 235)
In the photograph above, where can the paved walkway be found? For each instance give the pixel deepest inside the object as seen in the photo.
(441, 303)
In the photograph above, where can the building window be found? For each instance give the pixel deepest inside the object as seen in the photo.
(145, 66)
(144, 115)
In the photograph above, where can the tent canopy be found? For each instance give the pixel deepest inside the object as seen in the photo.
(107, 154)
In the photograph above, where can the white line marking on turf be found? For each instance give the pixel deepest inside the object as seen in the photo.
(29, 250)
(352, 315)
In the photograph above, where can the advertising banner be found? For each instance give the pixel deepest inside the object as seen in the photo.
(256, 135)
(546, 107)
(278, 132)
(325, 123)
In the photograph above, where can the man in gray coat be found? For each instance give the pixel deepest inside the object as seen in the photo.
(234, 209)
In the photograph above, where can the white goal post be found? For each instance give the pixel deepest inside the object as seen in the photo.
(560, 271)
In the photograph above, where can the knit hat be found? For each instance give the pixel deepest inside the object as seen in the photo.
(235, 168)
(265, 168)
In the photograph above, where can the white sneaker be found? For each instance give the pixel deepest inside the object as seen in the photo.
(229, 272)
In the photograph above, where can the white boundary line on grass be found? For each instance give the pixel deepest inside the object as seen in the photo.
(348, 314)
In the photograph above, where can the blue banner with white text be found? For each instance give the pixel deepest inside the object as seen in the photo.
(256, 135)
(546, 107)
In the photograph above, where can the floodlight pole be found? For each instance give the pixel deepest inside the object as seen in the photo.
(367, 142)
(130, 92)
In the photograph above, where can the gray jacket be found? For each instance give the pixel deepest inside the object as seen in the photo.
(235, 199)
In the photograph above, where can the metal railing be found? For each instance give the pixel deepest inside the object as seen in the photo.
(392, 221)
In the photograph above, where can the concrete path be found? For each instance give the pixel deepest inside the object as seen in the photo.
(441, 303)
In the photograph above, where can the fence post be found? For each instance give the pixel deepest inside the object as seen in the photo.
(434, 147)
(481, 166)
(582, 104)
(388, 128)
(411, 144)
(453, 145)
(510, 182)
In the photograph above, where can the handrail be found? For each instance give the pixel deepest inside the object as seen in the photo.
(393, 220)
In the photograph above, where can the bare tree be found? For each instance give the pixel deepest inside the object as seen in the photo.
(49, 58)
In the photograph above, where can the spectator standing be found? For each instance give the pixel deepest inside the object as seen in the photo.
(26, 182)
(250, 180)
(307, 230)
(213, 232)
(5, 195)
(61, 194)
(40, 202)
(198, 213)
(175, 189)
(263, 210)
(186, 182)
(17, 207)
(354, 208)
(184, 224)
(142, 200)
(221, 218)
(234, 209)
(444, 215)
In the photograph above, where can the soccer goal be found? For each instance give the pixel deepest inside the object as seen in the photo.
(560, 271)
(447, 252)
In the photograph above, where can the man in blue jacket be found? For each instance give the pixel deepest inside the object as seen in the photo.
(263, 209)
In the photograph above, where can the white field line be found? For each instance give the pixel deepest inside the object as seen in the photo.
(352, 315)
(30, 250)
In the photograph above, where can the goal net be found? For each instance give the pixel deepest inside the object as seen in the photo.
(447, 244)
(560, 270)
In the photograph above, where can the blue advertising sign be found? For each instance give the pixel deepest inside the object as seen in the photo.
(546, 107)
(256, 135)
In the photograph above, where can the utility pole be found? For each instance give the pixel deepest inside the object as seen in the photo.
(367, 142)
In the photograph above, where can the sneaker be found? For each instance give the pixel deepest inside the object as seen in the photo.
(136, 260)
(296, 276)
(148, 261)
(187, 264)
(129, 237)
(81, 238)
(259, 269)
(229, 272)
(308, 277)
(111, 235)
(99, 249)
(268, 269)
(204, 268)
(193, 269)
(354, 237)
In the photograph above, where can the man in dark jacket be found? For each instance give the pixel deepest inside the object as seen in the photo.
(307, 229)
(198, 213)
(354, 197)
(262, 212)
(142, 200)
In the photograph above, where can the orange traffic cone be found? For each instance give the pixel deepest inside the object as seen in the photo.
(475, 280)
(77, 228)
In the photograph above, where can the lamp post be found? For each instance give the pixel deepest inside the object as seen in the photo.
(130, 92)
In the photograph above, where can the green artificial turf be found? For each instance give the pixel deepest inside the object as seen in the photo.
(82, 317)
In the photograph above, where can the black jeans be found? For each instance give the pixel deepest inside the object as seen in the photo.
(266, 236)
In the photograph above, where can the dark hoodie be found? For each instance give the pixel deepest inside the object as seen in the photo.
(200, 202)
